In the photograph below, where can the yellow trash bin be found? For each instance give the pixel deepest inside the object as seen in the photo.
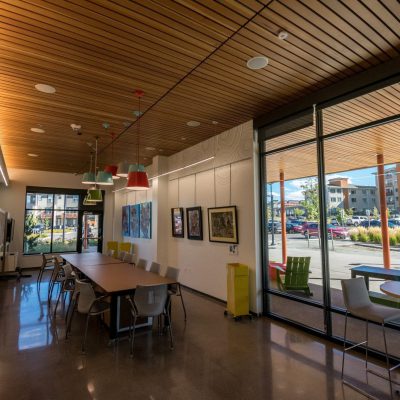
(238, 290)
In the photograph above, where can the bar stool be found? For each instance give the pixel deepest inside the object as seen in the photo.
(358, 303)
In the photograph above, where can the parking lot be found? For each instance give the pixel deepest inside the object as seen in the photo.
(343, 255)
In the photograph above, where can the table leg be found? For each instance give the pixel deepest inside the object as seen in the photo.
(366, 278)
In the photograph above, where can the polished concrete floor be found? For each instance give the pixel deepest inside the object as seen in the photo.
(214, 357)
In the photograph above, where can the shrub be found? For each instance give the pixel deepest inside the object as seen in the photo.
(363, 237)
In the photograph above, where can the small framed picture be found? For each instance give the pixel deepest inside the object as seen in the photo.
(177, 222)
(222, 225)
(194, 223)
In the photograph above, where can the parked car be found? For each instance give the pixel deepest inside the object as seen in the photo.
(38, 228)
(395, 222)
(292, 227)
(356, 220)
(375, 223)
(277, 227)
(337, 232)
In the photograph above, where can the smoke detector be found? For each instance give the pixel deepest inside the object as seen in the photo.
(283, 35)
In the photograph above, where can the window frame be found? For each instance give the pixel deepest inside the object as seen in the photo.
(80, 209)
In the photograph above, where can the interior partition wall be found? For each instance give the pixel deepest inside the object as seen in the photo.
(330, 184)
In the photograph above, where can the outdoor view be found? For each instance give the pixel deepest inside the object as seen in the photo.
(51, 223)
(362, 167)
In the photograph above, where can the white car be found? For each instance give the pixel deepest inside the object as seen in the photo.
(356, 219)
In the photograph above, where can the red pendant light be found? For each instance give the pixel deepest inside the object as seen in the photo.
(111, 168)
(137, 176)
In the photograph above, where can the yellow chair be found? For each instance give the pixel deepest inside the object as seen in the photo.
(125, 246)
(113, 245)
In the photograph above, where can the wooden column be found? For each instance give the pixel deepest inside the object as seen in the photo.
(283, 215)
(383, 209)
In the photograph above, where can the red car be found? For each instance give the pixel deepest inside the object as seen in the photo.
(312, 229)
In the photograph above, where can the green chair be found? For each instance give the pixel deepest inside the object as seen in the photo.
(296, 275)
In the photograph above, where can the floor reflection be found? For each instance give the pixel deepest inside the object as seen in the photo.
(35, 326)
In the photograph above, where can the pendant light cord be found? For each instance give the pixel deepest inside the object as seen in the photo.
(95, 164)
(138, 135)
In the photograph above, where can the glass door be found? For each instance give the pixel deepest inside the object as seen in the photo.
(91, 232)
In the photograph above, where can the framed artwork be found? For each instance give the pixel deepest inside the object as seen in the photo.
(134, 220)
(177, 222)
(222, 225)
(125, 220)
(145, 220)
(194, 223)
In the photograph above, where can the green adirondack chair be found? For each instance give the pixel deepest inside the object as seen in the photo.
(296, 275)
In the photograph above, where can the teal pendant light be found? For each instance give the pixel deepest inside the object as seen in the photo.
(89, 178)
(104, 178)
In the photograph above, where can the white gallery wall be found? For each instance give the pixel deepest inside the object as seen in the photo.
(228, 179)
(12, 200)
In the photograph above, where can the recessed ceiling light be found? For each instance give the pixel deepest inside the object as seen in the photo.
(150, 148)
(33, 155)
(193, 123)
(283, 35)
(45, 88)
(257, 62)
(37, 130)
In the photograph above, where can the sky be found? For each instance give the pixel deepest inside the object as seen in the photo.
(293, 190)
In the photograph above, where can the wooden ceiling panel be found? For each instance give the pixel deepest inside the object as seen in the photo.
(188, 56)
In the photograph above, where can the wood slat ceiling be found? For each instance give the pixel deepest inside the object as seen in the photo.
(189, 57)
(342, 153)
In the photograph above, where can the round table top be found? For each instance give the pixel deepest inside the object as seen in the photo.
(392, 288)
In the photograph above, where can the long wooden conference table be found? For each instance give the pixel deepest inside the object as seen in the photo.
(117, 279)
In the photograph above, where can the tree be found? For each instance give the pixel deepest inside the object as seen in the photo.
(376, 213)
(310, 202)
(30, 237)
(298, 212)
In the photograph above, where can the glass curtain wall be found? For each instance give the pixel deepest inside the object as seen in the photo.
(351, 169)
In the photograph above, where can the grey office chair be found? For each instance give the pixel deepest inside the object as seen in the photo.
(110, 252)
(86, 302)
(67, 284)
(149, 301)
(175, 289)
(358, 303)
(130, 258)
(47, 265)
(155, 268)
(142, 264)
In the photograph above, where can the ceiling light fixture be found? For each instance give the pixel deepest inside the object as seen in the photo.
(180, 169)
(257, 62)
(33, 155)
(45, 88)
(38, 130)
(193, 124)
(283, 35)
(102, 177)
(3, 169)
(89, 178)
(111, 168)
(137, 176)
(123, 169)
